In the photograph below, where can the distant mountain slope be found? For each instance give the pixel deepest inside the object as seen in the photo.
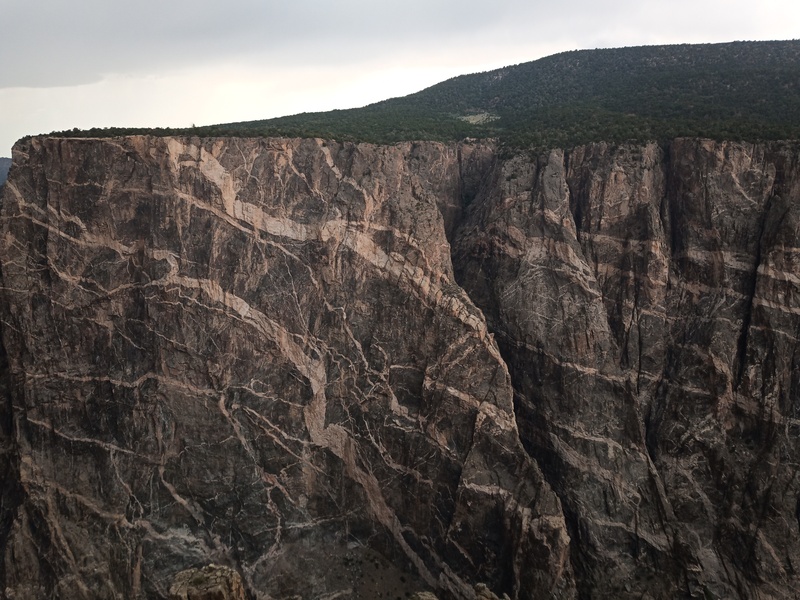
(738, 90)
(5, 165)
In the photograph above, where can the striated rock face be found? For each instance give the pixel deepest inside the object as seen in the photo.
(647, 304)
(253, 353)
(345, 370)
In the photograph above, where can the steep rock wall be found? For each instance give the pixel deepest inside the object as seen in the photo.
(280, 355)
(254, 353)
(646, 302)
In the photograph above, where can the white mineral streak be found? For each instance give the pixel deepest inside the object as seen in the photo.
(424, 284)
(348, 233)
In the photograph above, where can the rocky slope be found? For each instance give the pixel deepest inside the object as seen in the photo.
(350, 370)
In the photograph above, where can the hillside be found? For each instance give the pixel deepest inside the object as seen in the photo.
(736, 91)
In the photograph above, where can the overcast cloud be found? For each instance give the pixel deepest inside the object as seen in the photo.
(89, 63)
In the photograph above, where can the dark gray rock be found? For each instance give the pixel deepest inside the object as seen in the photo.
(349, 369)
(253, 352)
(646, 303)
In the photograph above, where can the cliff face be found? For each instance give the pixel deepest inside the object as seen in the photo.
(255, 353)
(647, 307)
(350, 369)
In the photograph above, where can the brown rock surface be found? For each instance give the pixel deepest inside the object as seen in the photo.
(646, 303)
(260, 353)
(212, 582)
(251, 352)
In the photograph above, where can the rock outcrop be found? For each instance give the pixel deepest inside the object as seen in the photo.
(212, 582)
(347, 369)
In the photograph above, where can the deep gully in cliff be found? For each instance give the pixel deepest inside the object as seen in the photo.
(10, 490)
(9, 494)
(546, 452)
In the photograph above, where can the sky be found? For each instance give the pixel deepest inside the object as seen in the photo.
(178, 63)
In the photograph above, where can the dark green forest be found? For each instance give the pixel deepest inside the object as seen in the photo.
(734, 91)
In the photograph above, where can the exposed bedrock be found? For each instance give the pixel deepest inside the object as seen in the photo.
(344, 370)
(253, 353)
(646, 302)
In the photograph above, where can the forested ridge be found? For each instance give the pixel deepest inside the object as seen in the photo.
(734, 91)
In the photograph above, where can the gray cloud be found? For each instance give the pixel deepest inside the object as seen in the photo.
(65, 43)
(59, 43)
